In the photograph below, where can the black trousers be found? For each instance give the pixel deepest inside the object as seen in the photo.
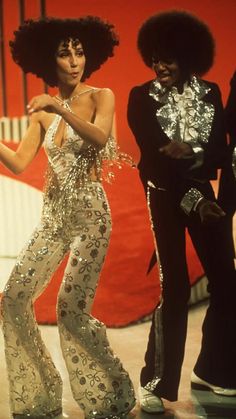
(165, 351)
(227, 201)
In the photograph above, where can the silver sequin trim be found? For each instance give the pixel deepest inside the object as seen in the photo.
(184, 117)
(190, 200)
(159, 342)
(234, 162)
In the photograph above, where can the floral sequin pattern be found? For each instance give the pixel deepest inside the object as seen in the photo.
(184, 117)
(35, 384)
(76, 221)
(98, 380)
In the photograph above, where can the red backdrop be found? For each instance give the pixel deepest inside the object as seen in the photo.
(124, 294)
(125, 69)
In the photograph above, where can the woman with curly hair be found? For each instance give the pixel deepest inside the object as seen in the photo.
(76, 129)
(177, 120)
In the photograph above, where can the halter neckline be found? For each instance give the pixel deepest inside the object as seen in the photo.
(70, 99)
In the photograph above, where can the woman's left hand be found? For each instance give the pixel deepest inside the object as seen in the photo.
(42, 102)
(177, 150)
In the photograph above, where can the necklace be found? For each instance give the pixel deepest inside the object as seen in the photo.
(70, 99)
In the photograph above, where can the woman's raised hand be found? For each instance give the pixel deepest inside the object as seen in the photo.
(43, 102)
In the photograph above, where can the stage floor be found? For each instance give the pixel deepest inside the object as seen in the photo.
(129, 344)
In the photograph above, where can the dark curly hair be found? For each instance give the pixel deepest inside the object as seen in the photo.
(36, 41)
(178, 36)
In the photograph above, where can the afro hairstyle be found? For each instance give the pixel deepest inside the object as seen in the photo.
(36, 41)
(178, 36)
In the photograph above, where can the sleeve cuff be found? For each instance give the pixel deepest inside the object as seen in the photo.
(190, 200)
(199, 156)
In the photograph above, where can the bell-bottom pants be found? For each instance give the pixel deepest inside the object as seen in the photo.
(99, 383)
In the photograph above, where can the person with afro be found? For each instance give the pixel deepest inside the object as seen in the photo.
(75, 126)
(178, 123)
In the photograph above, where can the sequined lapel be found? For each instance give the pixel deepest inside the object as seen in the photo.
(198, 115)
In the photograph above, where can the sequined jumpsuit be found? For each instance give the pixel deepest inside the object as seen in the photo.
(75, 219)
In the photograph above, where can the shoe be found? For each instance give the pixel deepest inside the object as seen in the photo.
(149, 402)
(199, 384)
(51, 414)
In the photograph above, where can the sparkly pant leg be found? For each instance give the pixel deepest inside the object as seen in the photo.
(99, 383)
(35, 384)
(165, 350)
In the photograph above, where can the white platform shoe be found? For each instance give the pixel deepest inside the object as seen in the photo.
(199, 384)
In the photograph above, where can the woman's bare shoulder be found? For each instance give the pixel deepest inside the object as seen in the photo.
(103, 93)
(102, 90)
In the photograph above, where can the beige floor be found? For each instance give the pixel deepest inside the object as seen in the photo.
(129, 344)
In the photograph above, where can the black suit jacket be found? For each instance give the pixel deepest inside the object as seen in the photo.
(171, 174)
(227, 187)
(230, 112)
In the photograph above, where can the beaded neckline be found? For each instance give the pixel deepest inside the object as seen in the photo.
(70, 99)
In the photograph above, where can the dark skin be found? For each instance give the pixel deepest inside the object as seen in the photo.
(169, 74)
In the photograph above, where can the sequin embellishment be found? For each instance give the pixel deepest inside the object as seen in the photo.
(75, 220)
(184, 117)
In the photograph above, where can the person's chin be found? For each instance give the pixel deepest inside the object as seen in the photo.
(74, 82)
(165, 83)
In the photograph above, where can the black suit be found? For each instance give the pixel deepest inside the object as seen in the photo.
(172, 179)
(227, 185)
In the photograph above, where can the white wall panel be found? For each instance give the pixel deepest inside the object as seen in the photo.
(20, 210)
